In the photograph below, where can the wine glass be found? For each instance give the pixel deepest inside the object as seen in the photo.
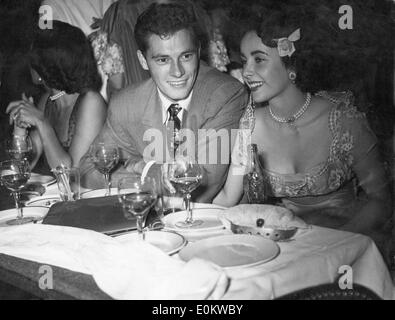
(137, 197)
(104, 157)
(14, 174)
(185, 176)
(19, 147)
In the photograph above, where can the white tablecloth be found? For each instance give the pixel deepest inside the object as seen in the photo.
(313, 258)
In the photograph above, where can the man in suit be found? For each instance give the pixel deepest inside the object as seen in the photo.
(205, 98)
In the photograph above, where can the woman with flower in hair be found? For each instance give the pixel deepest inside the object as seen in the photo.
(320, 159)
(68, 117)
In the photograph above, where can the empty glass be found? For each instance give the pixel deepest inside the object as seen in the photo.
(104, 157)
(68, 180)
(137, 197)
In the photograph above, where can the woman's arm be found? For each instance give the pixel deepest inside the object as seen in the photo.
(232, 191)
(37, 147)
(377, 210)
(53, 150)
(27, 115)
(91, 114)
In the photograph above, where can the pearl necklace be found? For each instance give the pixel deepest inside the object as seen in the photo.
(57, 96)
(296, 115)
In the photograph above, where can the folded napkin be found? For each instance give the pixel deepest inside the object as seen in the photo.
(248, 214)
(135, 270)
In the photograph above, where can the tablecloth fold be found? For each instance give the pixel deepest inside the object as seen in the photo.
(135, 270)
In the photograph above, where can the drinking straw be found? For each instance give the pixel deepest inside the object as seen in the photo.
(145, 170)
(61, 172)
(67, 180)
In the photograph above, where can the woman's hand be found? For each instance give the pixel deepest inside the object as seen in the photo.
(24, 113)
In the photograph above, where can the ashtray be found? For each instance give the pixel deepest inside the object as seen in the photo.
(274, 233)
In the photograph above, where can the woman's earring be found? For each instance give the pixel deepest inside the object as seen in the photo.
(40, 79)
(292, 76)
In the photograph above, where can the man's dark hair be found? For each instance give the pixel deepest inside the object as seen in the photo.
(64, 58)
(165, 19)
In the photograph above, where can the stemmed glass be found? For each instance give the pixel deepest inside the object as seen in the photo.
(185, 176)
(19, 147)
(104, 157)
(14, 174)
(137, 196)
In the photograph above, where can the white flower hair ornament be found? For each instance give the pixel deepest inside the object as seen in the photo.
(285, 46)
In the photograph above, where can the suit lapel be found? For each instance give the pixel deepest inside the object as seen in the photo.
(193, 118)
(152, 115)
(152, 119)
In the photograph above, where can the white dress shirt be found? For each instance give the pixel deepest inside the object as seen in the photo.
(166, 102)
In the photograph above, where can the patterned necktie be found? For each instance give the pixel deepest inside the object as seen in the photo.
(174, 121)
(174, 109)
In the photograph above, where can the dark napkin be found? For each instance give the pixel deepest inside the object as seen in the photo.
(103, 214)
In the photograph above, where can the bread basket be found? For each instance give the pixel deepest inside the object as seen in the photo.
(270, 232)
(271, 222)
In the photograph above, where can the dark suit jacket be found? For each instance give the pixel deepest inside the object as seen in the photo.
(218, 101)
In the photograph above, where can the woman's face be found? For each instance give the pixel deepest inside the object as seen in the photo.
(263, 70)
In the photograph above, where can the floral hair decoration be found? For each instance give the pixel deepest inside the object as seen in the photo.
(285, 46)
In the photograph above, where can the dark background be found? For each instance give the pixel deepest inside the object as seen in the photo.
(372, 79)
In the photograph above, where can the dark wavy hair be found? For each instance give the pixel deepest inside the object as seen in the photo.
(64, 58)
(1, 65)
(326, 57)
(164, 18)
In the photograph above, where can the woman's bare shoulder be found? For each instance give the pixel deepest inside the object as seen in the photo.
(92, 96)
(91, 101)
(91, 105)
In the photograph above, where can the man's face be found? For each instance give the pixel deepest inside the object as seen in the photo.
(173, 63)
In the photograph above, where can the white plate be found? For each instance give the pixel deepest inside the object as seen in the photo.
(37, 212)
(209, 216)
(44, 201)
(178, 202)
(232, 251)
(39, 178)
(169, 242)
(96, 193)
(197, 205)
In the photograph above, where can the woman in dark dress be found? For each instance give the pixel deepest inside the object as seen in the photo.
(68, 117)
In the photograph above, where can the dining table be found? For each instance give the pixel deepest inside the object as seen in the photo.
(313, 257)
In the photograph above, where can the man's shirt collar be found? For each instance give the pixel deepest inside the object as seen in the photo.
(166, 102)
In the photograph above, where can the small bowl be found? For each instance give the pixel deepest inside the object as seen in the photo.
(270, 232)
